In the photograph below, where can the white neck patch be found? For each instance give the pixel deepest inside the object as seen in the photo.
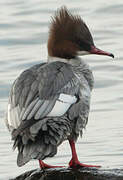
(81, 53)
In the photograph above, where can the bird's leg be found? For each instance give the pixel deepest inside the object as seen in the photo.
(46, 166)
(74, 162)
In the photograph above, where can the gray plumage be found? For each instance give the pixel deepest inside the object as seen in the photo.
(33, 97)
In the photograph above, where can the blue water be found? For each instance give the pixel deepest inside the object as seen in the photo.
(23, 42)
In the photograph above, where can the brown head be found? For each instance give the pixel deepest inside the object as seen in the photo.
(69, 36)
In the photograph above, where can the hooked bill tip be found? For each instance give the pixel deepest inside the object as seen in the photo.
(95, 50)
(112, 55)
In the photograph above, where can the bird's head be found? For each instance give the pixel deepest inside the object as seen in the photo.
(69, 37)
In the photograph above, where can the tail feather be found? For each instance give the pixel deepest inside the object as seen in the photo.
(35, 150)
(35, 143)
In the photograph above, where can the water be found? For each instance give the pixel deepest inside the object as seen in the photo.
(23, 37)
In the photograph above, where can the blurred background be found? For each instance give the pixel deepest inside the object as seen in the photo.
(23, 43)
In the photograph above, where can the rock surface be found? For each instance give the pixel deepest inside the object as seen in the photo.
(70, 174)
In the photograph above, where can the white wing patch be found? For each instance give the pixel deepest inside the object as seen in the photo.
(37, 109)
(62, 105)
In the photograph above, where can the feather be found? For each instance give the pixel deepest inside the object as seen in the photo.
(41, 110)
(29, 108)
(34, 129)
(35, 109)
(44, 127)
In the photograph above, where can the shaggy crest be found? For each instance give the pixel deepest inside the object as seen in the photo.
(68, 34)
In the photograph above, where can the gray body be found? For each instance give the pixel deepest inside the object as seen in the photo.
(35, 93)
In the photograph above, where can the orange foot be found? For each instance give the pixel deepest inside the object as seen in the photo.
(46, 166)
(77, 164)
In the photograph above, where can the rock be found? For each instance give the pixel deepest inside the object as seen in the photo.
(72, 174)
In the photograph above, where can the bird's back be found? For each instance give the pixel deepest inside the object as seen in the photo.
(47, 106)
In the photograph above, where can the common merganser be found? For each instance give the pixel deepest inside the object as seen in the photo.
(50, 102)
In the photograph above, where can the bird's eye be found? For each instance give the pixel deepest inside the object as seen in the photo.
(86, 46)
(83, 45)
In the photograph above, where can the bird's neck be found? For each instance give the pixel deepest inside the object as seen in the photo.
(54, 59)
(74, 61)
(79, 66)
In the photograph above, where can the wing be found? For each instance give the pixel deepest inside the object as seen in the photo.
(35, 94)
(80, 110)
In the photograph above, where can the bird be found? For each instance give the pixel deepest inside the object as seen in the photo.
(49, 102)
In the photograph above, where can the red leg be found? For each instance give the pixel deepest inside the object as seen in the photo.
(74, 162)
(44, 165)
